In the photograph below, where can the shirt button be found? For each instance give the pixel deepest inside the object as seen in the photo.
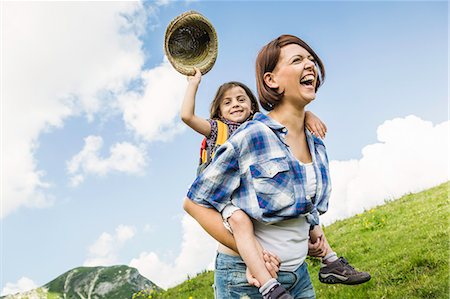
(308, 197)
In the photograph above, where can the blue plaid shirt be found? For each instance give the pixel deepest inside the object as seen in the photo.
(256, 170)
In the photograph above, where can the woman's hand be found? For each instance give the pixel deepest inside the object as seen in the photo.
(318, 248)
(251, 279)
(272, 262)
(196, 78)
(315, 125)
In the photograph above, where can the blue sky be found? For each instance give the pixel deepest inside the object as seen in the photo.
(95, 162)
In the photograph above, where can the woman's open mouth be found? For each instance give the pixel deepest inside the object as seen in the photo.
(308, 81)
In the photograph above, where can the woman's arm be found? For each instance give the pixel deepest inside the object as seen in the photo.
(212, 223)
(188, 116)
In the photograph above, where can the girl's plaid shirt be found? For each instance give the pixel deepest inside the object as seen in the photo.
(256, 171)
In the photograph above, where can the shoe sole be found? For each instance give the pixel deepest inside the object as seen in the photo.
(334, 279)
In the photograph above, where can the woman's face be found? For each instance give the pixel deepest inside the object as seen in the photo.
(296, 74)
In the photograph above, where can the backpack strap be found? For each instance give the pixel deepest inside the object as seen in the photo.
(203, 152)
(205, 156)
(222, 135)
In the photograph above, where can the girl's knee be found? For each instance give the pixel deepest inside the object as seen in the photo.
(239, 220)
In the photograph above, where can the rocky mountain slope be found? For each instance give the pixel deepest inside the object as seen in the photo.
(115, 282)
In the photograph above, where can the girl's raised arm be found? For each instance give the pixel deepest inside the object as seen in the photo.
(188, 116)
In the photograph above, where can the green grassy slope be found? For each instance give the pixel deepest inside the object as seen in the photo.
(404, 244)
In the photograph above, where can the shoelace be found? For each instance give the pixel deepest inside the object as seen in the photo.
(347, 265)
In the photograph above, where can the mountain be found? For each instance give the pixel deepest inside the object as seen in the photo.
(115, 282)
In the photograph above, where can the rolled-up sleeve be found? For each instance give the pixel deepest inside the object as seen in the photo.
(319, 207)
(313, 217)
(215, 185)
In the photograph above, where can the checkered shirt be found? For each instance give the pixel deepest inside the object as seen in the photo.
(256, 171)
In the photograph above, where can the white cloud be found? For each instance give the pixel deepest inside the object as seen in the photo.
(124, 233)
(57, 57)
(124, 157)
(105, 250)
(411, 155)
(22, 285)
(197, 254)
(163, 2)
(152, 114)
(51, 72)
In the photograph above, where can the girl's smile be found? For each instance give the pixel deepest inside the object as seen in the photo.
(236, 105)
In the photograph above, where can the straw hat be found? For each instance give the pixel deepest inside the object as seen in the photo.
(190, 41)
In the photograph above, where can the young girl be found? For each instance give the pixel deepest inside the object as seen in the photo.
(234, 104)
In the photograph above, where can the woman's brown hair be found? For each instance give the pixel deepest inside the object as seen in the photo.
(215, 105)
(267, 60)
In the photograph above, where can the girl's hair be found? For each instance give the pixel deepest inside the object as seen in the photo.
(215, 105)
(267, 60)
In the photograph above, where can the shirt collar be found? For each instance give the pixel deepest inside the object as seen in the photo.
(229, 122)
(313, 138)
(270, 122)
(281, 130)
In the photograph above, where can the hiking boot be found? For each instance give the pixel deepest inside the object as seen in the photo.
(278, 292)
(340, 271)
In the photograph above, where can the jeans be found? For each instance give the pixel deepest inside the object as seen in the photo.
(230, 281)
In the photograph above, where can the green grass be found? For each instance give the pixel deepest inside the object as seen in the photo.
(404, 244)
(199, 287)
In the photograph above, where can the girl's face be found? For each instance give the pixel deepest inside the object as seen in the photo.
(236, 105)
(295, 74)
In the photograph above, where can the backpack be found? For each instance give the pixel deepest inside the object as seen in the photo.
(206, 156)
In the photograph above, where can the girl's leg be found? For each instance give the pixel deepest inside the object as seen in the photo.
(252, 254)
(315, 234)
(249, 248)
(334, 269)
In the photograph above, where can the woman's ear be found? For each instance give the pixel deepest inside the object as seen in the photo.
(270, 81)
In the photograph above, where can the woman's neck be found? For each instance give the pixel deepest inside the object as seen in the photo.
(292, 118)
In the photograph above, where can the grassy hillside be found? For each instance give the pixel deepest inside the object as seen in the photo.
(403, 244)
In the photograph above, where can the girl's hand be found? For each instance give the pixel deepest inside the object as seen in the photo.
(315, 125)
(196, 78)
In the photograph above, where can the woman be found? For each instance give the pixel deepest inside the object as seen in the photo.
(274, 170)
